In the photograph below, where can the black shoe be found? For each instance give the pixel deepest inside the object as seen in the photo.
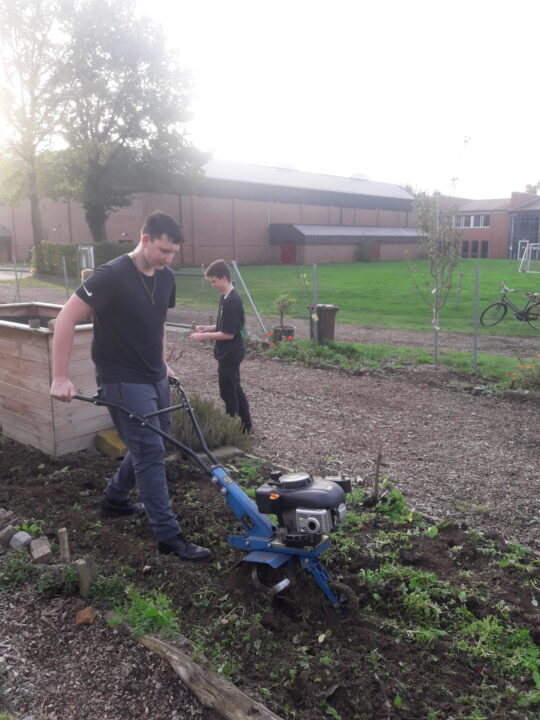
(122, 508)
(184, 549)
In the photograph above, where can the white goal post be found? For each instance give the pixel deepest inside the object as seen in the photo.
(530, 261)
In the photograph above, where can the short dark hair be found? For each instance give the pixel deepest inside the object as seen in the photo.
(218, 269)
(159, 223)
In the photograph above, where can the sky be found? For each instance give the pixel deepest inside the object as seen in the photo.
(437, 95)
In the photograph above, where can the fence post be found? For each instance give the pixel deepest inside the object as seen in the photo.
(17, 285)
(475, 323)
(314, 316)
(64, 267)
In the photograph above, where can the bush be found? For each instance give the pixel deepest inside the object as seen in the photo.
(47, 260)
(217, 428)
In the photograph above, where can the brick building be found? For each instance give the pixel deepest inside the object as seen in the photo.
(251, 213)
(498, 228)
(258, 214)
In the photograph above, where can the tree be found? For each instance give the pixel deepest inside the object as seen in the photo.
(127, 104)
(441, 244)
(532, 189)
(29, 96)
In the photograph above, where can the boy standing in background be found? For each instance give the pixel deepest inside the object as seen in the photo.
(229, 336)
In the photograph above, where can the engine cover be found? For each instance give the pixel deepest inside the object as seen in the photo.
(298, 490)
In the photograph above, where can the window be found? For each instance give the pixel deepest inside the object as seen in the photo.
(484, 249)
(464, 249)
(474, 249)
(466, 221)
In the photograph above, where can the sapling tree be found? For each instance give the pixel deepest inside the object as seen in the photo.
(440, 242)
(283, 303)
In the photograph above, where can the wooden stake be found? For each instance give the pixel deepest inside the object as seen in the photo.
(65, 556)
(85, 577)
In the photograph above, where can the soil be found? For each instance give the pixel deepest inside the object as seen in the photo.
(457, 455)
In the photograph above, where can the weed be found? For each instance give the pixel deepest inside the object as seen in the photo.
(71, 579)
(393, 505)
(16, 568)
(111, 587)
(146, 614)
(510, 650)
(32, 527)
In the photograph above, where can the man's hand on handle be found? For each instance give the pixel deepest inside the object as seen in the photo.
(62, 390)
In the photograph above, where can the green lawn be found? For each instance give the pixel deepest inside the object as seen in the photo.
(383, 294)
(378, 294)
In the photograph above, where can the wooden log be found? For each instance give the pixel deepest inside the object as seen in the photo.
(211, 689)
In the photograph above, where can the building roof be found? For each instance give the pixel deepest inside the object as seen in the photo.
(484, 205)
(340, 234)
(532, 205)
(285, 178)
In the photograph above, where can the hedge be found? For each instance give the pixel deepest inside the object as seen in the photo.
(47, 259)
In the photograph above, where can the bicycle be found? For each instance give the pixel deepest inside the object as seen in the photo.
(495, 312)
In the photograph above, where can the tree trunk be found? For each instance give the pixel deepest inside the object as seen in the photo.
(35, 213)
(96, 217)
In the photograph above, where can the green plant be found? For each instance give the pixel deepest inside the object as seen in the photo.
(111, 587)
(283, 304)
(15, 569)
(217, 428)
(146, 614)
(32, 527)
(71, 579)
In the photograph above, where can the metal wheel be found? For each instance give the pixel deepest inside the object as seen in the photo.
(348, 602)
(493, 314)
(533, 316)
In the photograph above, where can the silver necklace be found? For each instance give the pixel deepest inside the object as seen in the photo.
(145, 286)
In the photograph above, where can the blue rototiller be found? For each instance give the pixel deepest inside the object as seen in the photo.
(307, 509)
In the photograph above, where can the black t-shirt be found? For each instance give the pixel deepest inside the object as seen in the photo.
(130, 309)
(231, 320)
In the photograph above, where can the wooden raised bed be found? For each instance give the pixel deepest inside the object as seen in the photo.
(27, 412)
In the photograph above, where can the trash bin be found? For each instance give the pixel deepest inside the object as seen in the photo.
(325, 328)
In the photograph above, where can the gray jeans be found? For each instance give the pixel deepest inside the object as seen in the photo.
(144, 464)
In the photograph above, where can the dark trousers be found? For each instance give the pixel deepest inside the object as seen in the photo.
(232, 394)
(144, 465)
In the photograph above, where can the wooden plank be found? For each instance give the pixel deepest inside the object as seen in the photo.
(26, 410)
(21, 380)
(75, 411)
(43, 441)
(84, 442)
(31, 351)
(26, 395)
(83, 427)
(23, 365)
(48, 308)
(26, 421)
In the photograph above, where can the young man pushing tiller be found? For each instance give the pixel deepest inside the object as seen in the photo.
(129, 298)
